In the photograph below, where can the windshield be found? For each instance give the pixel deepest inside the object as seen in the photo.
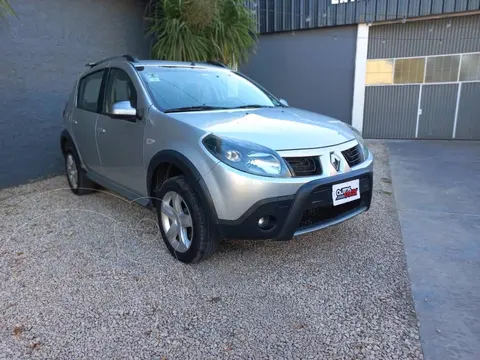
(194, 89)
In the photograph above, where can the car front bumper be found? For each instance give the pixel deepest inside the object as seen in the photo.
(297, 205)
(310, 209)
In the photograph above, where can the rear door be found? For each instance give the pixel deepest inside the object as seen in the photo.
(84, 118)
(120, 139)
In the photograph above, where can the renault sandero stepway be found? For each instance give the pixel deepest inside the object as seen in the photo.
(213, 152)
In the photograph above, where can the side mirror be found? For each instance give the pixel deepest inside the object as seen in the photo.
(283, 102)
(123, 108)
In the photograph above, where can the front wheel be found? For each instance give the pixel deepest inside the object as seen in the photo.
(183, 223)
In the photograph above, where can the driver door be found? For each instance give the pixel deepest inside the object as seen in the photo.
(120, 138)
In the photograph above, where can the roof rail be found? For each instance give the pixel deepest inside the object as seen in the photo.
(217, 63)
(127, 57)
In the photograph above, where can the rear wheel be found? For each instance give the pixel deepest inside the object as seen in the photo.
(183, 223)
(79, 183)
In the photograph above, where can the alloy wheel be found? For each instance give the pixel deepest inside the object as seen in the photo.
(72, 171)
(176, 221)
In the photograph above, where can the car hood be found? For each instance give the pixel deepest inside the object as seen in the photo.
(276, 128)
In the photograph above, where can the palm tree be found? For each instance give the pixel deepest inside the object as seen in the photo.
(201, 30)
(234, 32)
(5, 8)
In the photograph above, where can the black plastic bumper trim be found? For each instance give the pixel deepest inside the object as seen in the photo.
(332, 222)
(289, 210)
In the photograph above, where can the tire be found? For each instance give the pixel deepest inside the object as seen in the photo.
(202, 241)
(80, 184)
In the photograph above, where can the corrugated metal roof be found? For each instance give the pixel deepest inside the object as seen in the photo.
(432, 37)
(286, 15)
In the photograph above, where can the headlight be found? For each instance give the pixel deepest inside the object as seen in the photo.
(361, 142)
(246, 156)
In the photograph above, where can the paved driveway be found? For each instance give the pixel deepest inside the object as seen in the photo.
(437, 190)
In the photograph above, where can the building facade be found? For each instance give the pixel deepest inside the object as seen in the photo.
(392, 68)
(407, 69)
(427, 87)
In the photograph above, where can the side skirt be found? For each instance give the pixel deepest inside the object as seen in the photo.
(129, 194)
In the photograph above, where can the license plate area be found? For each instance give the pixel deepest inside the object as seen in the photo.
(345, 192)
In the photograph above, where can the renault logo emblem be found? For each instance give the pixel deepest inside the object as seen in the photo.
(335, 161)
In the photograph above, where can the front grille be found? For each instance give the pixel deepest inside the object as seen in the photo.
(319, 208)
(353, 155)
(304, 166)
(318, 215)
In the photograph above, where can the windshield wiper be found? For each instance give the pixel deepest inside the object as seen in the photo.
(195, 108)
(254, 106)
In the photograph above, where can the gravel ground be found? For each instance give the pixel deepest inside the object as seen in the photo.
(89, 277)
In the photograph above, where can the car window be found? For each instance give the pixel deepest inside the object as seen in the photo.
(89, 91)
(119, 88)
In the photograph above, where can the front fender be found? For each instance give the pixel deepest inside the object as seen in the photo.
(193, 176)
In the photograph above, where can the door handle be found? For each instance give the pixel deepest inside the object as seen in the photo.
(101, 130)
(75, 122)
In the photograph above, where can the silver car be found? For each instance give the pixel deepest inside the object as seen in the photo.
(215, 154)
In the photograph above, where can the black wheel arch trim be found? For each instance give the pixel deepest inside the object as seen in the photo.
(192, 174)
(66, 135)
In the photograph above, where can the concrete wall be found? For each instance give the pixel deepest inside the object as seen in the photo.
(42, 53)
(312, 69)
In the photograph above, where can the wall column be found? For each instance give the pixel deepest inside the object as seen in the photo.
(359, 79)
